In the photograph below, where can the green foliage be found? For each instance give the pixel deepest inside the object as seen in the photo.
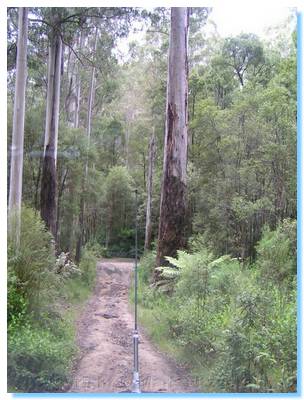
(146, 266)
(234, 314)
(243, 53)
(109, 134)
(40, 360)
(242, 144)
(229, 318)
(125, 242)
(257, 354)
(79, 286)
(41, 342)
(17, 305)
(118, 211)
(243, 154)
(277, 252)
(31, 269)
(88, 267)
(98, 250)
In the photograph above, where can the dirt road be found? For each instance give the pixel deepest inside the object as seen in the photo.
(105, 340)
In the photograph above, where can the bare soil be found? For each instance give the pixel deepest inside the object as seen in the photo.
(104, 336)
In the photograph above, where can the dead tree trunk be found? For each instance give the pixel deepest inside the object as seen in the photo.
(15, 190)
(48, 180)
(149, 193)
(172, 223)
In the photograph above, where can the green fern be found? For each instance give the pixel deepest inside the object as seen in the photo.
(168, 272)
(224, 259)
(185, 261)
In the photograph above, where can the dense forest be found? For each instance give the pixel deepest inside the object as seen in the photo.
(203, 129)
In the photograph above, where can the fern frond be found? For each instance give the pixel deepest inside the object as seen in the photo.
(220, 260)
(173, 261)
(168, 272)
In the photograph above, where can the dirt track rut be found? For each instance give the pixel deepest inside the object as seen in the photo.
(105, 341)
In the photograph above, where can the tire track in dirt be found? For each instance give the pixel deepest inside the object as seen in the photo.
(104, 336)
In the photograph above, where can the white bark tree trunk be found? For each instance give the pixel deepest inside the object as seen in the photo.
(15, 191)
(148, 230)
(53, 95)
(172, 223)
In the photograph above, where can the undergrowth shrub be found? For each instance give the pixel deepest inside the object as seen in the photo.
(98, 250)
(80, 286)
(40, 360)
(31, 269)
(87, 267)
(17, 304)
(41, 331)
(146, 266)
(259, 351)
(277, 252)
(233, 322)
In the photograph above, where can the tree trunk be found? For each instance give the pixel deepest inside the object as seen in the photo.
(71, 98)
(48, 180)
(80, 240)
(15, 190)
(72, 102)
(78, 86)
(91, 96)
(60, 193)
(172, 223)
(149, 193)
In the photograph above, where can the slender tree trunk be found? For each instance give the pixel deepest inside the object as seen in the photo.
(48, 180)
(172, 223)
(37, 200)
(81, 230)
(144, 168)
(60, 193)
(149, 193)
(77, 109)
(127, 135)
(89, 122)
(78, 86)
(91, 96)
(72, 102)
(15, 190)
(71, 98)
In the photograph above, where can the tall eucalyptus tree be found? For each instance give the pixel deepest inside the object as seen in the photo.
(172, 223)
(15, 189)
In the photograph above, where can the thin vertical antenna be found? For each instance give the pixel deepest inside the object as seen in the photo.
(136, 254)
(135, 382)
